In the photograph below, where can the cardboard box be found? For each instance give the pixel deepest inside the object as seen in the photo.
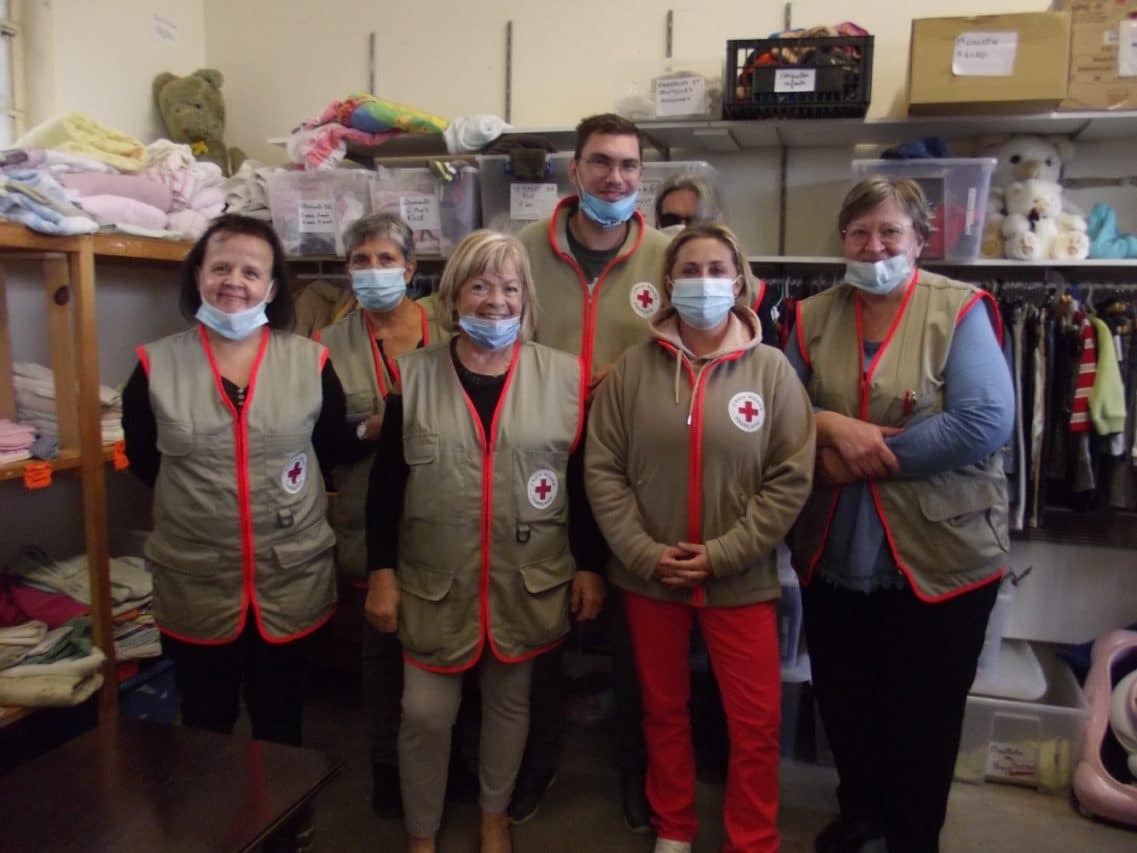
(1095, 79)
(989, 64)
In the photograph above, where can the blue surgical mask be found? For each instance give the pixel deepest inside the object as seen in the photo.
(236, 326)
(379, 289)
(491, 334)
(703, 302)
(879, 277)
(607, 214)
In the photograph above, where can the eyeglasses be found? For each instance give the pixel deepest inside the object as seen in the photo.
(666, 220)
(890, 235)
(599, 164)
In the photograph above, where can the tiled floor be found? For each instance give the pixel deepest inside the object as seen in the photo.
(581, 813)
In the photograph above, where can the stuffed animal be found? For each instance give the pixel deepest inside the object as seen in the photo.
(193, 112)
(1029, 158)
(1035, 227)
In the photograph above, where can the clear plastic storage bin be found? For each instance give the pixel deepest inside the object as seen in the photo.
(440, 213)
(1025, 743)
(310, 210)
(957, 190)
(672, 89)
(509, 204)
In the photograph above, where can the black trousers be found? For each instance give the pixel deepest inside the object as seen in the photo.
(547, 707)
(212, 678)
(891, 675)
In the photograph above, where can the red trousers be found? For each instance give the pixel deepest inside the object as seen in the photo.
(743, 647)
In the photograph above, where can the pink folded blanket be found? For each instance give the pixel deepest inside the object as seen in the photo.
(119, 210)
(136, 187)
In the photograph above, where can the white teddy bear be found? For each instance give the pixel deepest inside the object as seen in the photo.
(1032, 161)
(1036, 228)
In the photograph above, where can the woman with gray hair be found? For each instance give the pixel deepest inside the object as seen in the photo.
(480, 542)
(685, 200)
(904, 538)
(380, 257)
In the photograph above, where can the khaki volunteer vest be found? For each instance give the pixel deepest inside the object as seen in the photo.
(483, 538)
(598, 326)
(947, 532)
(239, 503)
(366, 380)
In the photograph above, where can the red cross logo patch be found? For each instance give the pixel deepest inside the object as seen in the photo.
(295, 473)
(747, 411)
(645, 299)
(542, 488)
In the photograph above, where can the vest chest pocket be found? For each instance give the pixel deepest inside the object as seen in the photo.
(540, 494)
(174, 439)
(360, 404)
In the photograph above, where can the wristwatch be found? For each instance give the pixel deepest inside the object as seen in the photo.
(361, 430)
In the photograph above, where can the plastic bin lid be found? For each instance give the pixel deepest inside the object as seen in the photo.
(1018, 674)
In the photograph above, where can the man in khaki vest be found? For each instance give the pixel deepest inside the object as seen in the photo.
(596, 265)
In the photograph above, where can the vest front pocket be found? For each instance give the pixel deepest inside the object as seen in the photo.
(542, 612)
(299, 586)
(360, 404)
(428, 617)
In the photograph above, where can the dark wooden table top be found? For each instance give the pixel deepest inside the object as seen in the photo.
(133, 786)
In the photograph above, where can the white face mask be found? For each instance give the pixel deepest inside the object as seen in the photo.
(703, 302)
(879, 277)
(236, 326)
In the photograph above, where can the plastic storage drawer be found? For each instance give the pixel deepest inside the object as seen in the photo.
(440, 213)
(1025, 743)
(310, 210)
(957, 191)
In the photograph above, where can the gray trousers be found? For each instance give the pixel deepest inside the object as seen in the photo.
(430, 707)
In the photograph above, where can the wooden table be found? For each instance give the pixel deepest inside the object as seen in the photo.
(130, 785)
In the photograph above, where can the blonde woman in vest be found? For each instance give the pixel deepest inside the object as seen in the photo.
(905, 535)
(380, 256)
(231, 422)
(476, 493)
(700, 454)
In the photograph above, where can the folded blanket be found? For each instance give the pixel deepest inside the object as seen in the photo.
(9, 457)
(130, 581)
(119, 210)
(80, 134)
(18, 641)
(40, 379)
(34, 199)
(20, 602)
(67, 682)
(138, 187)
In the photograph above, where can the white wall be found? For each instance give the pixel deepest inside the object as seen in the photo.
(100, 57)
(283, 63)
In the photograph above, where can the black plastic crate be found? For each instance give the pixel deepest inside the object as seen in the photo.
(834, 76)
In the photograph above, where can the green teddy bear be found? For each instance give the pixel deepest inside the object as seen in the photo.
(193, 112)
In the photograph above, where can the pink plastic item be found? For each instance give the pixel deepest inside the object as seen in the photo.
(1100, 792)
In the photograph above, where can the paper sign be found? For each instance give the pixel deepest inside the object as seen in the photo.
(795, 80)
(1013, 761)
(645, 201)
(317, 216)
(530, 202)
(680, 96)
(420, 212)
(165, 29)
(985, 54)
(1127, 49)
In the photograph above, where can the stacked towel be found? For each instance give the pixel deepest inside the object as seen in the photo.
(56, 667)
(130, 580)
(35, 199)
(35, 402)
(76, 133)
(16, 441)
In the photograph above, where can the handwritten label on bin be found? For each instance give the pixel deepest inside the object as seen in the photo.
(317, 216)
(680, 96)
(985, 54)
(1127, 48)
(795, 80)
(645, 200)
(530, 202)
(420, 212)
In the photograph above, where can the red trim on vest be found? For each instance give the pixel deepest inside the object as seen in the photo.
(799, 330)
(992, 312)
(807, 576)
(761, 294)
(143, 359)
(318, 335)
(323, 358)
(866, 375)
(695, 450)
(581, 406)
(425, 326)
(199, 642)
(588, 320)
(289, 638)
(380, 376)
(244, 506)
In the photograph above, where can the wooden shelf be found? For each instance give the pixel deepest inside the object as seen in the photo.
(10, 715)
(16, 240)
(68, 460)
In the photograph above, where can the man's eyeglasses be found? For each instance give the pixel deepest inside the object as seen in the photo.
(599, 164)
(890, 235)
